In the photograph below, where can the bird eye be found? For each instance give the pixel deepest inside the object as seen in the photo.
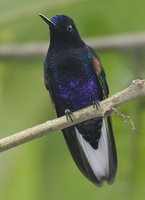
(69, 28)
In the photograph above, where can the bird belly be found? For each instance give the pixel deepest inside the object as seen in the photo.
(75, 94)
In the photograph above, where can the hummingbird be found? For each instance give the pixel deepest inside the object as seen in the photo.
(75, 78)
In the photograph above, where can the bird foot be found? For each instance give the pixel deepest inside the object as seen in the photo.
(96, 104)
(69, 115)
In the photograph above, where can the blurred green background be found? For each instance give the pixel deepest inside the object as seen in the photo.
(44, 169)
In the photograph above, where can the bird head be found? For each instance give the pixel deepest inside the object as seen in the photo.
(62, 30)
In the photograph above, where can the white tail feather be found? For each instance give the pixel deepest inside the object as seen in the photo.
(97, 158)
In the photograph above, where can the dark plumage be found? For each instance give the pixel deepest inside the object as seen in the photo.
(75, 79)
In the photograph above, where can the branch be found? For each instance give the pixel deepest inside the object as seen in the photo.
(114, 42)
(136, 89)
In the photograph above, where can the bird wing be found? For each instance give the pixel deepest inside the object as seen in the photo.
(98, 68)
(48, 82)
(99, 71)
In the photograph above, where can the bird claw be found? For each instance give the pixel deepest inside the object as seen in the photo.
(96, 104)
(69, 115)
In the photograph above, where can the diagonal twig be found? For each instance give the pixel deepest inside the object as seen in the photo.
(136, 89)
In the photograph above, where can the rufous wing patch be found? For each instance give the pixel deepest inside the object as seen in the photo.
(97, 65)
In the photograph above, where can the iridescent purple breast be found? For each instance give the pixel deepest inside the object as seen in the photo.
(79, 93)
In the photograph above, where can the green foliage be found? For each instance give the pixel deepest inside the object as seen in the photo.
(44, 169)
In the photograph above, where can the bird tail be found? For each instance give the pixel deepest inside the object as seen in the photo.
(97, 164)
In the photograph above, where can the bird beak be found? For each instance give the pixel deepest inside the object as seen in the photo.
(48, 21)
